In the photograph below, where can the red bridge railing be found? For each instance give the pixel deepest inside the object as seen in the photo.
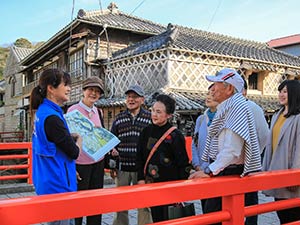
(8, 150)
(31, 210)
(11, 155)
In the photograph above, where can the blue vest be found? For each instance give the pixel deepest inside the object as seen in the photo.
(52, 170)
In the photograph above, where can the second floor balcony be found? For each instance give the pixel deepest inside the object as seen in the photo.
(27, 88)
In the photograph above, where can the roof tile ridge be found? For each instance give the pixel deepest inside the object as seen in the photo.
(142, 19)
(284, 53)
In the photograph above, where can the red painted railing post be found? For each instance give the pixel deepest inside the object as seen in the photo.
(29, 180)
(234, 204)
(9, 149)
(188, 146)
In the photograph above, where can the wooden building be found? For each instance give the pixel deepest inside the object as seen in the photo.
(123, 49)
(14, 115)
(90, 37)
(177, 60)
(2, 112)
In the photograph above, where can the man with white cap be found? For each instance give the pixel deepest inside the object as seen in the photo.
(232, 145)
(127, 127)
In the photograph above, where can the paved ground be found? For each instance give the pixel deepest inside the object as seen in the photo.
(264, 219)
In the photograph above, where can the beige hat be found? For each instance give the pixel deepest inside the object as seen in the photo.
(93, 81)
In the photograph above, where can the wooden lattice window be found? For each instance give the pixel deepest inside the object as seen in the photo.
(76, 63)
(253, 81)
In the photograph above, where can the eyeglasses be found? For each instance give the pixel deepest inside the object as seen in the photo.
(133, 96)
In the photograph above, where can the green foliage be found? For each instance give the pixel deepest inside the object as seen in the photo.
(3, 56)
(23, 43)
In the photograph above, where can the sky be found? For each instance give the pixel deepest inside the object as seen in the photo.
(257, 20)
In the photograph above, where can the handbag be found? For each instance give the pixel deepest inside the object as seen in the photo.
(180, 210)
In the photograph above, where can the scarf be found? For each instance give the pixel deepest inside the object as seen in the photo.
(236, 116)
(210, 116)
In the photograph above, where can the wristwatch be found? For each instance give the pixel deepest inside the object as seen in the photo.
(208, 171)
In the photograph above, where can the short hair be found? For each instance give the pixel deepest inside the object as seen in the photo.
(293, 87)
(168, 101)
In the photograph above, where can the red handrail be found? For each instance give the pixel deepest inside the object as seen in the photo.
(27, 145)
(10, 148)
(232, 188)
(11, 136)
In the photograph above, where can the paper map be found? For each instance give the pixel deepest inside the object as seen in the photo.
(96, 141)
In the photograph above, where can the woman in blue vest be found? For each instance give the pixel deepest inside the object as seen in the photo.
(54, 149)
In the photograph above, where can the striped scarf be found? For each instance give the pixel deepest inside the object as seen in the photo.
(236, 116)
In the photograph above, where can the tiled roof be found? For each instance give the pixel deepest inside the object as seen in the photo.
(284, 41)
(113, 18)
(192, 100)
(21, 53)
(208, 42)
(268, 103)
(108, 18)
(182, 102)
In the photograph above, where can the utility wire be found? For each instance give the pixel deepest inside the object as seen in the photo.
(100, 4)
(70, 40)
(72, 13)
(213, 17)
(142, 2)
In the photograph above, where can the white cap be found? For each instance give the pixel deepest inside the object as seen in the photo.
(229, 76)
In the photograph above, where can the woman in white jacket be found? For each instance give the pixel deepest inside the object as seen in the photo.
(283, 148)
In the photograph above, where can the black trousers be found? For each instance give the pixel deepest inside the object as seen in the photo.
(288, 215)
(159, 213)
(92, 176)
(215, 204)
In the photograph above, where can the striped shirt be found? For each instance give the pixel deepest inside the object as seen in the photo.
(234, 114)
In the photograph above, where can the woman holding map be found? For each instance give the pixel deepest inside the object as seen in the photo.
(90, 174)
(53, 148)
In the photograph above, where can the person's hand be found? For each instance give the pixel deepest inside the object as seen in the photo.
(198, 174)
(197, 168)
(141, 182)
(79, 142)
(114, 152)
(75, 136)
(113, 173)
(78, 176)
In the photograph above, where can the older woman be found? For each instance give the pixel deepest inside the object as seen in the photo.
(283, 148)
(90, 173)
(170, 160)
